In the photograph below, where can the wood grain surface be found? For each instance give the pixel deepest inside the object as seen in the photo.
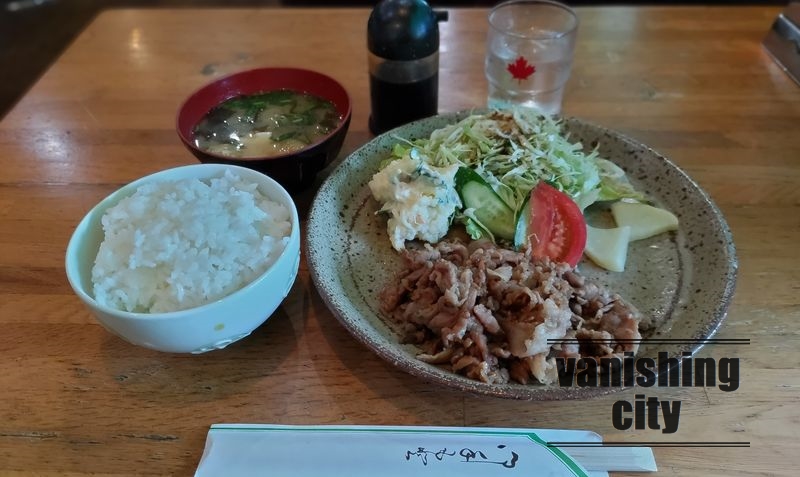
(693, 83)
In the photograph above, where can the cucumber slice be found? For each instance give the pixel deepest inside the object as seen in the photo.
(644, 220)
(608, 248)
(489, 209)
(521, 238)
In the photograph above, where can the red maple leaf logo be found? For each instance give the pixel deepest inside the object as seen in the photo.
(521, 69)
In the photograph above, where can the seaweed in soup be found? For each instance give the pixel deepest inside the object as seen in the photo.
(266, 124)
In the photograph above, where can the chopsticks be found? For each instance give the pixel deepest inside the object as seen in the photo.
(614, 459)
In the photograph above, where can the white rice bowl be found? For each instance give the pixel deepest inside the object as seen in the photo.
(176, 245)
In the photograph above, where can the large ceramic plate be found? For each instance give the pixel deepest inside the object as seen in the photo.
(683, 280)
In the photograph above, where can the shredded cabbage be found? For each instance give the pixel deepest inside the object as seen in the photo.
(514, 150)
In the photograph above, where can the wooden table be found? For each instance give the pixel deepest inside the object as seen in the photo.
(694, 83)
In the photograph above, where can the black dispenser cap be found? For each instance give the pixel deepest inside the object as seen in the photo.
(403, 30)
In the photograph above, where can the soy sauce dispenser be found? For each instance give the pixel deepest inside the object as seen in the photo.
(403, 49)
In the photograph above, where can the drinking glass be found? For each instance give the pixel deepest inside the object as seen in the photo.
(529, 54)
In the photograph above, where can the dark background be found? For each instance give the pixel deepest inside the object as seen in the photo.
(34, 32)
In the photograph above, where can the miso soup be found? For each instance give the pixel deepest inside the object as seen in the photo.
(266, 124)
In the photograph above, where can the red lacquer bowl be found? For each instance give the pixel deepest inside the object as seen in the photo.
(294, 171)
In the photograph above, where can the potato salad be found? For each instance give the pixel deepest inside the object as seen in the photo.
(420, 199)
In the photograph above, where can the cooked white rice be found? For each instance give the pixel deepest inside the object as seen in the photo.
(181, 244)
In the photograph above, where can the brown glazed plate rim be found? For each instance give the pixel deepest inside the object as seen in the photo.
(350, 257)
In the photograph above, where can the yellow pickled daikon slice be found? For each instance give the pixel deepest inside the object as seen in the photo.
(644, 220)
(608, 248)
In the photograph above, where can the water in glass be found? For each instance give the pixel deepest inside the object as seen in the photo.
(527, 72)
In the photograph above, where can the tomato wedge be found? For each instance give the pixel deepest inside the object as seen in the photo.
(557, 228)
